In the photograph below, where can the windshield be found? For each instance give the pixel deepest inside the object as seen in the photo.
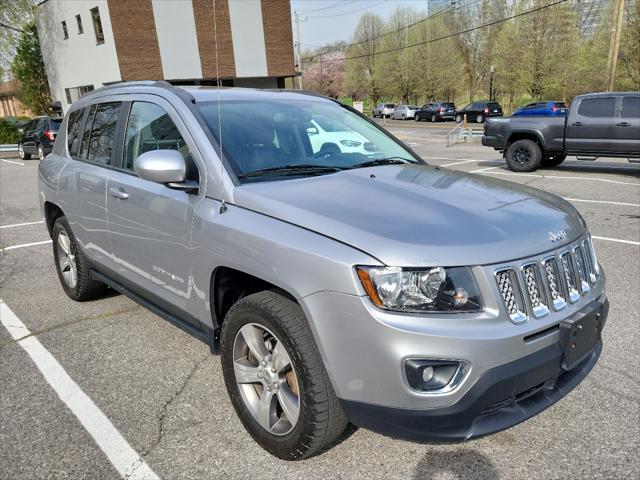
(275, 135)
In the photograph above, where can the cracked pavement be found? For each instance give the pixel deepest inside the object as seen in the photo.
(164, 391)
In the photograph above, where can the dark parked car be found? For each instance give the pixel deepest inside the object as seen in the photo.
(436, 111)
(541, 108)
(38, 136)
(597, 125)
(478, 111)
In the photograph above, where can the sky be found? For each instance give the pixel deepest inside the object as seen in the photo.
(326, 21)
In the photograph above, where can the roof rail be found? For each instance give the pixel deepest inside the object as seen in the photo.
(180, 92)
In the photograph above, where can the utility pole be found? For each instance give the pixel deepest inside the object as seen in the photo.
(614, 42)
(297, 45)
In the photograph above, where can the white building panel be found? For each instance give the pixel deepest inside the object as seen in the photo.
(247, 34)
(177, 39)
(78, 60)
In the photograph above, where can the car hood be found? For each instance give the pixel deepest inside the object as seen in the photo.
(418, 215)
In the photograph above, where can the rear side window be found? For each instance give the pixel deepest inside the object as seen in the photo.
(99, 134)
(597, 107)
(560, 105)
(631, 107)
(150, 128)
(73, 131)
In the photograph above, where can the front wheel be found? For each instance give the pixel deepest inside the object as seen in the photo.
(523, 156)
(480, 118)
(72, 265)
(553, 160)
(434, 119)
(40, 152)
(459, 118)
(276, 379)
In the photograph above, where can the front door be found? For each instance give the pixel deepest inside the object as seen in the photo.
(590, 129)
(149, 223)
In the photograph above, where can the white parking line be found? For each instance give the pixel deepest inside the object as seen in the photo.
(485, 169)
(11, 161)
(617, 240)
(121, 455)
(617, 182)
(603, 201)
(458, 163)
(23, 245)
(21, 224)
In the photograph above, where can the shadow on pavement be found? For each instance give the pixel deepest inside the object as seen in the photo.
(459, 464)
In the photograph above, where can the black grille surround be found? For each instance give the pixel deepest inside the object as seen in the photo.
(548, 283)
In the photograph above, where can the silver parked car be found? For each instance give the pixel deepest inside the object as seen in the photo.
(404, 112)
(383, 110)
(336, 285)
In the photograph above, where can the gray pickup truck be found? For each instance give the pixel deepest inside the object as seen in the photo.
(597, 125)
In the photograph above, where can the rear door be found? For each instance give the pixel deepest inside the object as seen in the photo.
(83, 181)
(28, 136)
(627, 126)
(590, 127)
(149, 223)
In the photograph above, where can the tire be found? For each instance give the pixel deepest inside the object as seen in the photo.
(459, 118)
(552, 160)
(404, 117)
(40, 153)
(480, 118)
(416, 117)
(434, 119)
(320, 420)
(523, 156)
(22, 154)
(73, 267)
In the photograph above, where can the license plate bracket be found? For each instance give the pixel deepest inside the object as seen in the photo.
(578, 337)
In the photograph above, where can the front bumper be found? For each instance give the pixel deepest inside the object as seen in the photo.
(501, 398)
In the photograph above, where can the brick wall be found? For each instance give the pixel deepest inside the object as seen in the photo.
(276, 20)
(206, 31)
(136, 40)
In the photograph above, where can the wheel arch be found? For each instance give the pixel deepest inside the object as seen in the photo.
(525, 135)
(51, 213)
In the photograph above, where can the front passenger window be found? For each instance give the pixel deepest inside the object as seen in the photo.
(150, 128)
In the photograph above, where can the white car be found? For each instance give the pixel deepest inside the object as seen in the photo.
(404, 112)
(326, 133)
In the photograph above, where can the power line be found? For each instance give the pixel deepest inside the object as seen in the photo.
(350, 12)
(489, 24)
(439, 13)
(333, 5)
(9, 27)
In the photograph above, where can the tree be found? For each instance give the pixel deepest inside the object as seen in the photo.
(361, 73)
(14, 15)
(28, 68)
(628, 75)
(325, 74)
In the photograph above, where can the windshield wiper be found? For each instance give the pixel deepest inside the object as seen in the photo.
(291, 170)
(383, 161)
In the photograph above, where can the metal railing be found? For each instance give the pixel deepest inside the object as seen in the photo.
(9, 148)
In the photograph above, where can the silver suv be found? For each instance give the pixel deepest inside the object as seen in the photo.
(339, 285)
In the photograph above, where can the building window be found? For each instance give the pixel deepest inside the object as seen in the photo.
(65, 32)
(97, 25)
(79, 22)
(75, 93)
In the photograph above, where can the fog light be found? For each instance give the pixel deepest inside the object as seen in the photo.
(432, 375)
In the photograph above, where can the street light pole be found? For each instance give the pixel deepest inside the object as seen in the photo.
(491, 70)
(297, 51)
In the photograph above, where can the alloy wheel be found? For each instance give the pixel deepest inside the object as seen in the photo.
(67, 260)
(20, 151)
(522, 155)
(40, 152)
(266, 379)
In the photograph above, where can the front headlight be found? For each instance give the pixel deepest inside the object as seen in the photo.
(350, 143)
(434, 289)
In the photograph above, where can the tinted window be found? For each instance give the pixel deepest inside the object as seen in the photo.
(560, 105)
(54, 124)
(449, 105)
(494, 105)
(150, 128)
(73, 131)
(87, 133)
(389, 105)
(597, 107)
(103, 130)
(631, 107)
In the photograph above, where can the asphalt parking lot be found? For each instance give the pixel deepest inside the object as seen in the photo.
(162, 391)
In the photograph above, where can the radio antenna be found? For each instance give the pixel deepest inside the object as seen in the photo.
(223, 206)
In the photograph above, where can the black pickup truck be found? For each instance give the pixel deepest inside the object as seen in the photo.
(597, 125)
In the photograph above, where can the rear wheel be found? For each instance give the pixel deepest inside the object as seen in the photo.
(276, 379)
(434, 119)
(40, 152)
(459, 118)
(72, 265)
(553, 160)
(22, 154)
(523, 156)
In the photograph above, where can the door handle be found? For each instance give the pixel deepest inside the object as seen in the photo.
(623, 124)
(118, 193)
(577, 124)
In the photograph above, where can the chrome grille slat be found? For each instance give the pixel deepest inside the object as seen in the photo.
(570, 280)
(557, 290)
(509, 287)
(535, 289)
(581, 268)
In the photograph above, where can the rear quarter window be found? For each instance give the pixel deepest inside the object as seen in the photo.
(631, 107)
(73, 131)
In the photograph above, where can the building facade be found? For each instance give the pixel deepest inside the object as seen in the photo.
(88, 44)
(10, 106)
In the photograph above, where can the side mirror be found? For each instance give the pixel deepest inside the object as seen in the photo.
(312, 131)
(164, 166)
